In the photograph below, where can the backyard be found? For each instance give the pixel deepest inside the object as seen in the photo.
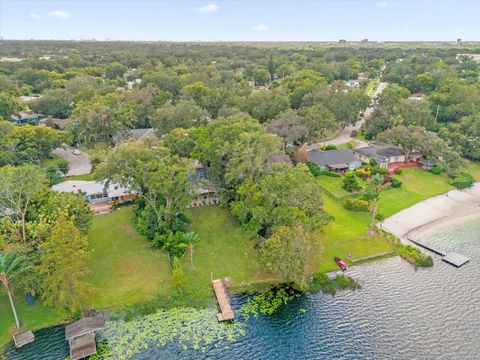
(125, 270)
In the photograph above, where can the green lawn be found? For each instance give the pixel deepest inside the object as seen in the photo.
(85, 177)
(125, 270)
(474, 169)
(333, 185)
(346, 234)
(417, 185)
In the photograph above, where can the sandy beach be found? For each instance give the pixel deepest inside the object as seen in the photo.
(453, 205)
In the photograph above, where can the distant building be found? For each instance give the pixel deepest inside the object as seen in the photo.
(100, 197)
(459, 41)
(55, 123)
(364, 41)
(27, 117)
(334, 160)
(417, 96)
(343, 41)
(134, 134)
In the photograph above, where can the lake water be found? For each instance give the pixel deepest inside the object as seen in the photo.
(399, 313)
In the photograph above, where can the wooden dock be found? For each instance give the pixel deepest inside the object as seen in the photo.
(451, 258)
(81, 336)
(23, 339)
(226, 312)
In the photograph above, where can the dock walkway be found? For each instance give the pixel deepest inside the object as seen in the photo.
(226, 312)
(451, 258)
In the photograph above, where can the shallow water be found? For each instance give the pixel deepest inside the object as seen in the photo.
(399, 313)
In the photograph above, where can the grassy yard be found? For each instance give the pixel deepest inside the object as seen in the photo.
(417, 185)
(125, 270)
(474, 169)
(346, 234)
(333, 185)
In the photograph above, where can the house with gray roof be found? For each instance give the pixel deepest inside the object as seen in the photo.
(334, 160)
(132, 134)
(384, 154)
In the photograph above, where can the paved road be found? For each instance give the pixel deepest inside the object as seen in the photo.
(79, 164)
(344, 135)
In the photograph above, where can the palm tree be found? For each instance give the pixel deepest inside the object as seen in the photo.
(190, 239)
(381, 218)
(11, 265)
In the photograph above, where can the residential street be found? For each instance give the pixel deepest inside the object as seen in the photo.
(344, 135)
(79, 164)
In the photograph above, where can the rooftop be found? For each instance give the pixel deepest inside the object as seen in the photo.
(90, 188)
(279, 159)
(84, 326)
(133, 134)
(332, 158)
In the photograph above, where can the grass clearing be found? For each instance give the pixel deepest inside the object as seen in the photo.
(417, 185)
(474, 169)
(333, 185)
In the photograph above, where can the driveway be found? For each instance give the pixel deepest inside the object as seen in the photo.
(79, 164)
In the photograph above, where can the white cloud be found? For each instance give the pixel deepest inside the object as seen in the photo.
(382, 4)
(260, 27)
(208, 8)
(59, 14)
(35, 16)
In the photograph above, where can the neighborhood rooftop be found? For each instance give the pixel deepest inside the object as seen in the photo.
(90, 187)
(135, 134)
(380, 151)
(334, 159)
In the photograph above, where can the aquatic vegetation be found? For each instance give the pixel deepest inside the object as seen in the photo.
(322, 282)
(415, 256)
(189, 327)
(268, 302)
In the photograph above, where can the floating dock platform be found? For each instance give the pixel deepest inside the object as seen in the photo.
(226, 312)
(451, 258)
(23, 339)
(455, 259)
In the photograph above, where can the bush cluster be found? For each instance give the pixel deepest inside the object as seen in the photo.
(463, 181)
(356, 205)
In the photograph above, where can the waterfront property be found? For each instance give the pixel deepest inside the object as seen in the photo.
(206, 192)
(99, 196)
(81, 336)
(334, 160)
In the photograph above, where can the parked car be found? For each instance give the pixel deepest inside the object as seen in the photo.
(76, 152)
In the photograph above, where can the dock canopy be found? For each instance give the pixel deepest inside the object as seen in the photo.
(83, 346)
(84, 326)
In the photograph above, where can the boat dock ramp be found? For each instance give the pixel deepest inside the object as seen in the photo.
(451, 258)
(226, 312)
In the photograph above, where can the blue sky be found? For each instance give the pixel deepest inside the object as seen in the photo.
(240, 20)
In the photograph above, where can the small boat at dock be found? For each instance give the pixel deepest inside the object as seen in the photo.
(341, 263)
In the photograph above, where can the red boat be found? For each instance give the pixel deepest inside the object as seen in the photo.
(340, 263)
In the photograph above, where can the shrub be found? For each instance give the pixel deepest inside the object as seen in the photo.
(340, 282)
(375, 169)
(399, 171)
(373, 162)
(354, 133)
(314, 168)
(396, 183)
(436, 170)
(463, 181)
(414, 256)
(363, 173)
(331, 147)
(356, 205)
(350, 182)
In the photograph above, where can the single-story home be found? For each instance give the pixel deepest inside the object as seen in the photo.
(27, 117)
(384, 154)
(99, 197)
(334, 160)
(133, 134)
